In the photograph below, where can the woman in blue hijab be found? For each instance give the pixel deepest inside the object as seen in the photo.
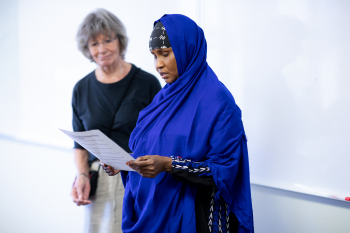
(189, 145)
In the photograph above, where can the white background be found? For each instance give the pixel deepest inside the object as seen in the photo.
(286, 63)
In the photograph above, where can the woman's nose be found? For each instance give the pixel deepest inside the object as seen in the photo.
(160, 64)
(102, 47)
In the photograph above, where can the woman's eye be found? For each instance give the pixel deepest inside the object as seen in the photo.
(166, 54)
(108, 41)
(94, 44)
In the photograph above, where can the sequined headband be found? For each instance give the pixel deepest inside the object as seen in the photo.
(159, 38)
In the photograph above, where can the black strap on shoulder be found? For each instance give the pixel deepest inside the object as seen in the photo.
(121, 100)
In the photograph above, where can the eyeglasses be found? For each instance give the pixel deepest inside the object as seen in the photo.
(107, 43)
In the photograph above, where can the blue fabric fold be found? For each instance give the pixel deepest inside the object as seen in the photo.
(196, 118)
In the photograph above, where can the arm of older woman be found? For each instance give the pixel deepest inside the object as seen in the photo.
(81, 188)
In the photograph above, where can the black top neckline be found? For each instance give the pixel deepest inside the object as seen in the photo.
(112, 85)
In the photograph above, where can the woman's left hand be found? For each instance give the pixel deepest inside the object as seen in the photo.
(151, 165)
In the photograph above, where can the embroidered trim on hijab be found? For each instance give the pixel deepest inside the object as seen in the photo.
(159, 38)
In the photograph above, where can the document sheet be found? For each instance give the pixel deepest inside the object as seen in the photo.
(102, 147)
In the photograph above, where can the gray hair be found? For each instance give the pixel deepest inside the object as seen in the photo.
(99, 22)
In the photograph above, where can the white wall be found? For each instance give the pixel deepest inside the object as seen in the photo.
(38, 53)
(35, 189)
(280, 211)
(9, 79)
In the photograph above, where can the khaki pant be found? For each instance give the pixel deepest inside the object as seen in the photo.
(104, 214)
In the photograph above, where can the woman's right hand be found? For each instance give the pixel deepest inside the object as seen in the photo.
(108, 169)
(81, 190)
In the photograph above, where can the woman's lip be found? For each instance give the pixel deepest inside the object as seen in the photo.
(163, 75)
(105, 57)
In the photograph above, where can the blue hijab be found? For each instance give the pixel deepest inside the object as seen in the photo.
(195, 118)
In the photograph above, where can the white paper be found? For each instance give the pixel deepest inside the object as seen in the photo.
(102, 147)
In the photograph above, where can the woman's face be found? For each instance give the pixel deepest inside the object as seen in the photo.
(104, 49)
(165, 64)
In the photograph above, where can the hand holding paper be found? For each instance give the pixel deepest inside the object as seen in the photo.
(108, 169)
(102, 147)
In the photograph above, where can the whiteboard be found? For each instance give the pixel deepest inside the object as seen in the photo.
(285, 62)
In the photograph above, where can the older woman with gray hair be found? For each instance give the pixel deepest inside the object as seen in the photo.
(109, 99)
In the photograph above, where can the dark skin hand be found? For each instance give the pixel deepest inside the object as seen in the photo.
(151, 165)
(109, 170)
(147, 166)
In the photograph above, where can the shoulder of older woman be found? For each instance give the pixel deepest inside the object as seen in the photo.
(148, 79)
(83, 82)
(149, 84)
